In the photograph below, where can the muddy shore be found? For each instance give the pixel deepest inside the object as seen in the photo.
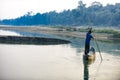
(31, 40)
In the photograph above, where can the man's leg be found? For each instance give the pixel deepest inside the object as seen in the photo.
(87, 46)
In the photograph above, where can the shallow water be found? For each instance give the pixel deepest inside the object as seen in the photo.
(8, 33)
(58, 62)
(54, 62)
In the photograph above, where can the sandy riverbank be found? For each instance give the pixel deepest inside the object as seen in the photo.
(61, 32)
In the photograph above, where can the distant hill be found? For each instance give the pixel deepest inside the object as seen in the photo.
(94, 15)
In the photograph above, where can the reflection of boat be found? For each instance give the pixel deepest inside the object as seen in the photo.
(91, 56)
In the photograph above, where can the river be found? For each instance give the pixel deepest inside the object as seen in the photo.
(59, 62)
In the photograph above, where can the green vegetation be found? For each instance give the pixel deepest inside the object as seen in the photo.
(113, 32)
(116, 34)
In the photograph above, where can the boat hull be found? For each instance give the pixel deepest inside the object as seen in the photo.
(90, 57)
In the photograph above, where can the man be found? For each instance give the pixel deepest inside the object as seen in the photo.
(87, 41)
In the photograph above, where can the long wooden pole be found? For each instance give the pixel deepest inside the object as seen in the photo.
(98, 47)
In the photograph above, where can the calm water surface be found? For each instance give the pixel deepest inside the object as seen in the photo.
(58, 62)
(54, 62)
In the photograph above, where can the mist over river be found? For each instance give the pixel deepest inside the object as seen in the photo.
(58, 62)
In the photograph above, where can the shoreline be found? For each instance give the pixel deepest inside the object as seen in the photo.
(31, 40)
(61, 32)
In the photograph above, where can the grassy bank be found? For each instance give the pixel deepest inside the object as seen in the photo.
(79, 32)
(113, 31)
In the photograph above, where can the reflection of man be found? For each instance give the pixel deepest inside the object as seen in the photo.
(87, 41)
(86, 70)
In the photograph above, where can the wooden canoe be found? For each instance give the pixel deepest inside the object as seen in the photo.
(91, 56)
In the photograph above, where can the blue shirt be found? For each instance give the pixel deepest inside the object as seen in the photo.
(88, 38)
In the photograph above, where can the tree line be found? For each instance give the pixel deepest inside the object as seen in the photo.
(94, 15)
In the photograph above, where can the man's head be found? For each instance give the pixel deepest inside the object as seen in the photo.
(90, 30)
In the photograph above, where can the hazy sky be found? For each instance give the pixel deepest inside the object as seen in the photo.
(16, 8)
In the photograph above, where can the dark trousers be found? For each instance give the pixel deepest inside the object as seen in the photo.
(87, 47)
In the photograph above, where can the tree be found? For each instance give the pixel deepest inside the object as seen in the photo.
(96, 15)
